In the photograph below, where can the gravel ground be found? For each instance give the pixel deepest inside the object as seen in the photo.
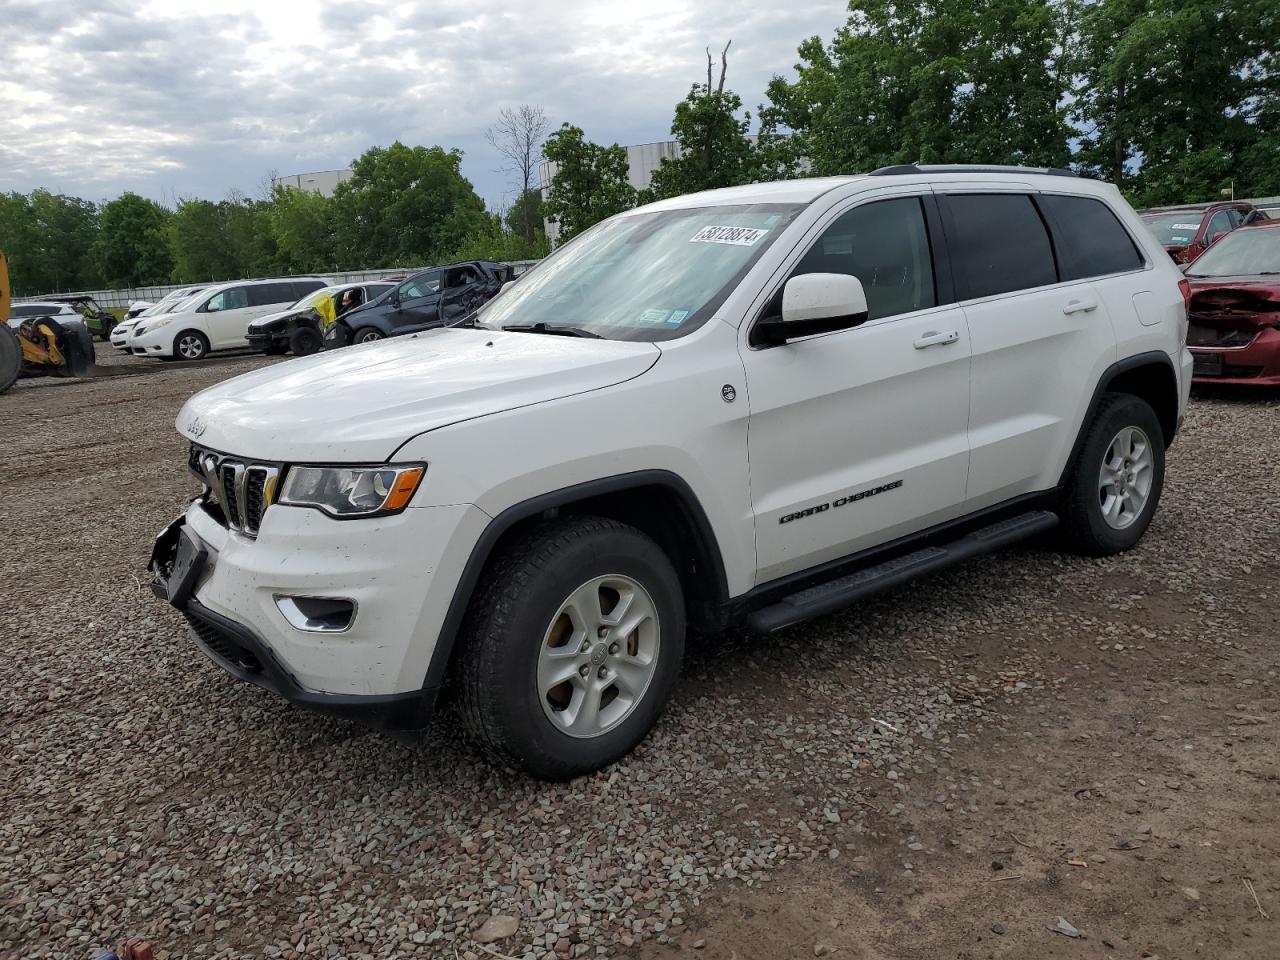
(854, 767)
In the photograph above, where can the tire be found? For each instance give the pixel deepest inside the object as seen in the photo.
(10, 357)
(190, 345)
(305, 341)
(1107, 510)
(367, 335)
(530, 602)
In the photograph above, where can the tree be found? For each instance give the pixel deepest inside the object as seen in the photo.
(1179, 97)
(132, 248)
(404, 206)
(715, 150)
(518, 137)
(301, 224)
(589, 182)
(947, 81)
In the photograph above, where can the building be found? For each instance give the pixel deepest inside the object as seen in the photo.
(322, 181)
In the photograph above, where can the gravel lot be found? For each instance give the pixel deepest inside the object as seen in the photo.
(862, 786)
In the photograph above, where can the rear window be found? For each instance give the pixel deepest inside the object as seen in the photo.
(1001, 243)
(33, 310)
(264, 294)
(302, 287)
(1091, 241)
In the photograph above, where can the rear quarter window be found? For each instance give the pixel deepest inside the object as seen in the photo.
(1000, 243)
(1091, 240)
(302, 287)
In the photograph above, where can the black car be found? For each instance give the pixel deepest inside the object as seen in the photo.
(428, 299)
(301, 327)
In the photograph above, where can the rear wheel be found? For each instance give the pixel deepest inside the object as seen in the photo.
(367, 335)
(190, 345)
(572, 646)
(1118, 477)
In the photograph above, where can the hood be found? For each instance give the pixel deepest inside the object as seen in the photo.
(270, 318)
(1234, 303)
(360, 403)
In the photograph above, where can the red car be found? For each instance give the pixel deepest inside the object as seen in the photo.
(1186, 232)
(1234, 308)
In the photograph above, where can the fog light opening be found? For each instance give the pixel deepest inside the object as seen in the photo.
(318, 614)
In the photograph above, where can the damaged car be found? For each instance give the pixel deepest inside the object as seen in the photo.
(1234, 311)
(432, 298)
(300, 328)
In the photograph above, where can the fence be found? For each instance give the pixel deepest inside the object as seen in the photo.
(122, 298)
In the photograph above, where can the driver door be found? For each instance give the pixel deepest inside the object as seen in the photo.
(859, 437)
(419, 303)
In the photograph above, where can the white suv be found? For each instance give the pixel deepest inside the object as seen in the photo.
(753, 405)
(215, 319)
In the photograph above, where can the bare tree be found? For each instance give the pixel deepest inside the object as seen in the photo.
(518, 136)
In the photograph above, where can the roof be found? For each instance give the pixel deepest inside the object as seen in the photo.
(1193, 207)
(803, 190)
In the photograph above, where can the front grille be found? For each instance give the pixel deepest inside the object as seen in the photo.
(1199, 335)
(224, 645)
(244, 490)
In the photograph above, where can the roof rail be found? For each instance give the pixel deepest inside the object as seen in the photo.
(906, 169)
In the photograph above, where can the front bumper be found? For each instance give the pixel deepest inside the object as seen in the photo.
(153, 343)
(1257, 364)
(265, 340)
(399, 570)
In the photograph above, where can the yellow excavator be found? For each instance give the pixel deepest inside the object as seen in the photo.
(39, 346)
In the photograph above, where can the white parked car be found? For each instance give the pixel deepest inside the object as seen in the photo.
(122, 331)
(751, 405)
(217, 319)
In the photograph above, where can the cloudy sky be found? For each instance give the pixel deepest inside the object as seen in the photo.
(179, 98)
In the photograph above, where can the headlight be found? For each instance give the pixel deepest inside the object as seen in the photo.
(353, 491)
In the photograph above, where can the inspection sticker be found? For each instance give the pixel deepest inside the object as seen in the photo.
(1187, 226)
(737, 236)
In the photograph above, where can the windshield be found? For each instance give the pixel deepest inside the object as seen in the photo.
(311, 299)
(1174, 229)
(647, 276)
(1242, 252)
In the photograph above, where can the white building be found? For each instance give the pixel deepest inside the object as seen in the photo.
(322, 181)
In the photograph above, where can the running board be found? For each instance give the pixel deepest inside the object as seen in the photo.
(835, 594)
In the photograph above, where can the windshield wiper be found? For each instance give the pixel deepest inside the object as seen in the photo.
(557, 331)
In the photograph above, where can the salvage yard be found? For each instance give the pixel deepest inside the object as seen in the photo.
(948, 771)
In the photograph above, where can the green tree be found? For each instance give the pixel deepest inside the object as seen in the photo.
(404, 205)
(590, 182)
(715, 150)
(301, 226)
(933, 81)
(526, 211)
(1179, 97)
(18, 241)
(132, 248)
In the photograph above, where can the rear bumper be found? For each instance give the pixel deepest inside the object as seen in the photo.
(1257, 364)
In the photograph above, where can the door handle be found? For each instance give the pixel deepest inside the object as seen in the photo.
(934, 338)
(1080, 306)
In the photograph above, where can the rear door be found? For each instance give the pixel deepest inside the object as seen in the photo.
(859, 436)
(1039, 341)
(419, 303)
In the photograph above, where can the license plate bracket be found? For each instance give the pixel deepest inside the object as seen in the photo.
(188, 562)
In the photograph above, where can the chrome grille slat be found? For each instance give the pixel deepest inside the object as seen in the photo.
(244, 490)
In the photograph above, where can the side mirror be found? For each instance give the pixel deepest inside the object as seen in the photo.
(813, 303)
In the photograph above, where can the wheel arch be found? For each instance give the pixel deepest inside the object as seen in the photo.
(1149, 376)
(659, 503)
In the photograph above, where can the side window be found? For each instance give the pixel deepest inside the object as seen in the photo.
(1001, 243)
(1220, 223)
(232, 299)
(885, 245)
(422, 286)
(1090, 240)
(302, 287)
(264, 294)
(1235, 216)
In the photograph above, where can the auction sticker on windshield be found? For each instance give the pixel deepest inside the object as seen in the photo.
(737, 236)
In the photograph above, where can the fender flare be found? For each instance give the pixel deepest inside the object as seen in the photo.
(707, 548)
(1108, 377)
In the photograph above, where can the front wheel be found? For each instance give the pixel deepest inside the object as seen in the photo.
(1113, 491)
(190, 345)
(304, 341)
(366, 335)
(571, 647)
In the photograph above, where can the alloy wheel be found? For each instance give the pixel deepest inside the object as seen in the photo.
(191, 347)
(598, 656)
(1124, 482)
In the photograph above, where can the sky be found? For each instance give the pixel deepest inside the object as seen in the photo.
(183, 98)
